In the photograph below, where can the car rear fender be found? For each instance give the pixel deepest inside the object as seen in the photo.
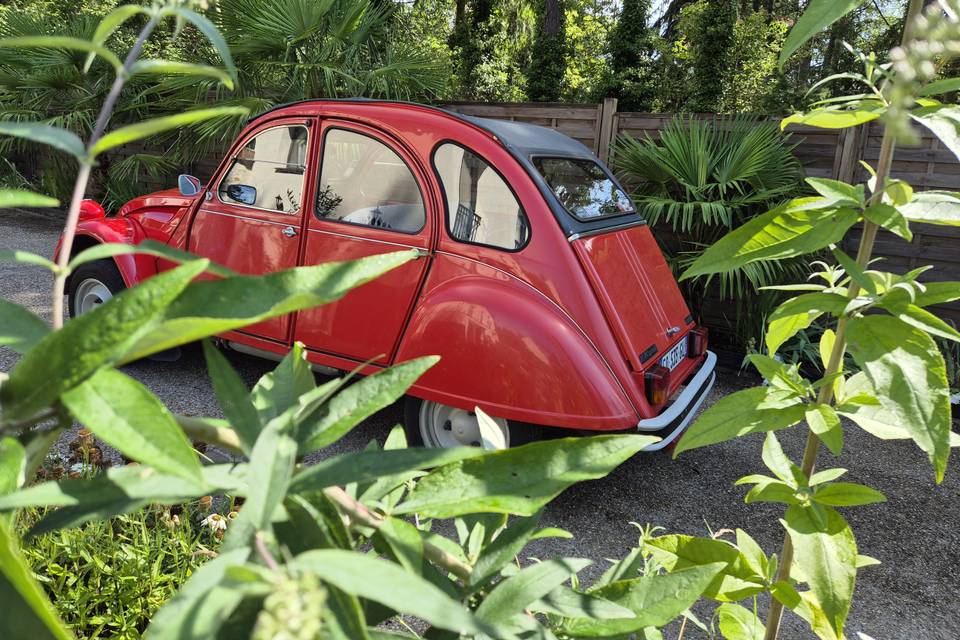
(506, 347)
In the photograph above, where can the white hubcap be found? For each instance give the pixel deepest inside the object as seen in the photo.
(444, 427)
(91, 293)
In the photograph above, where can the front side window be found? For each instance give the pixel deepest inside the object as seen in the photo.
(363, 181)
(583, 188)
(268, 171)
(481, 208)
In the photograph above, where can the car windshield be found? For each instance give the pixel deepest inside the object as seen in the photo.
(583, 188)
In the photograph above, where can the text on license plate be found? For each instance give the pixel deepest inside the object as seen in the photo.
(675, 356)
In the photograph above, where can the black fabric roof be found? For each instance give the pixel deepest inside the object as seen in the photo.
(530, 139)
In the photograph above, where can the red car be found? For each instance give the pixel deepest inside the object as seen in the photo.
(539, 285)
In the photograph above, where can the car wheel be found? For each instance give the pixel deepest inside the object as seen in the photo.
(91, 285)
(438, 426)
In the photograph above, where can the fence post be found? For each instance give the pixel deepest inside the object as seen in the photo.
(848, 154)
(606, 129)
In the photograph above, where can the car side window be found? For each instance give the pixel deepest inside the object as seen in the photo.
(268, 171)
(363, 181)
(481, 208)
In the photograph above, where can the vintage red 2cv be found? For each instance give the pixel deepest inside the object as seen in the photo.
(538, 284)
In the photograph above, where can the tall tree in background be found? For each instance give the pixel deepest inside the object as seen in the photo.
(711, 43)
(548, 57)
(633, 61)
(472, 42)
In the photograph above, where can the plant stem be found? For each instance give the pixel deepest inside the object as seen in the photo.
(83, 174)
(825, 396)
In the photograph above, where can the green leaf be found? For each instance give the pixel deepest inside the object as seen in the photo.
(790, 230)
(805, 606)
(827, 340)
(61, 139)
(889, 218)
(20, 329)
(906, 369)
(28, 612)
(755, 410)
(132, 132)
(211, 307)
(832, 118)
(26, 257)
(819, 477)
(934, 293)
(818, 15)
(655, 599)
(838, 194)
(504, 548)
(899, 192)
(64, 359)
(404, 542)
(359, 401)
(365, 466)
(13, 465)
(271, 466)
(147, 247)
(13, 198)
(124, 414)
(63, 42)
(925, 321)
(199, 609)
(933, 207)
(773, 491)
(825, 422)
(213, 35)
(233, 397)
(282, 388)
(110, 23)
(171, 67)
(798, 313)
(854, 270)
(847, 494)
(739, 623)
(944, 121)
(120, 490)
(531, 583)
(569, 603)
(776, 460)
(752, 554)
(386, 583)
(737, 578)
(827, 556)
(935, 88)
(520, 480)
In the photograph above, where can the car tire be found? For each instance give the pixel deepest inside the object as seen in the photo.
(91, 285)
(434, 425)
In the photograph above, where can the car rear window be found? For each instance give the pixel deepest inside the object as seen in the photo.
(584, 188)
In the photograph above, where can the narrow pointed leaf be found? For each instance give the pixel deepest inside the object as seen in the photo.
(141, 130)
(848, 494)
(171, 67)
(521, 480)
(933, 207)
(124, 414)
(739, 623)
(110, 23)
(62, 42)
(20, 329)
(212, 34)
(147, 247)
(818, 15)
(503, 549)
(14, 198)
(533, 582)
(57, 138)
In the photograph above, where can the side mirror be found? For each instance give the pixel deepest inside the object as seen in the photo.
(242, 193)
(189, 186)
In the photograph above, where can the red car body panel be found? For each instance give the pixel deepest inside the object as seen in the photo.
(553, 333)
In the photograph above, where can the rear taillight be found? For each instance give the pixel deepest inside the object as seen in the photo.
(697, 344)
(657, 380)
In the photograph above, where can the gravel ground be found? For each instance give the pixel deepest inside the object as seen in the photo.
(914, 594)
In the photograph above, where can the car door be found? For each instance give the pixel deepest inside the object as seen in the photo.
(251, 219)
(371, 198)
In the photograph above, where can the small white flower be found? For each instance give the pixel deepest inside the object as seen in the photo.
(215, 521)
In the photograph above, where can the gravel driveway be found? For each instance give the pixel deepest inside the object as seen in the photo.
(914, 594)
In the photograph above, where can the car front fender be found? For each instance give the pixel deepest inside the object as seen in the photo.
(133, 268)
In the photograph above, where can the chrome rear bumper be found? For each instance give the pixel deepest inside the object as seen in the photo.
(675, 418)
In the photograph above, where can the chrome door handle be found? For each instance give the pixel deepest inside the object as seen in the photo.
(289, 231)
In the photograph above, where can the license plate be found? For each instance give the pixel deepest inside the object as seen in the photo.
(675, 356)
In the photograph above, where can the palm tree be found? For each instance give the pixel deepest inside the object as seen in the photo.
(704, 179)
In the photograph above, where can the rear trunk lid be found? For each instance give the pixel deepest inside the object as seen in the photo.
(637, 292)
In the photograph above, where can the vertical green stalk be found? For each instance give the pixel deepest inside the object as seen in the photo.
(83, 175)
(825, 396)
